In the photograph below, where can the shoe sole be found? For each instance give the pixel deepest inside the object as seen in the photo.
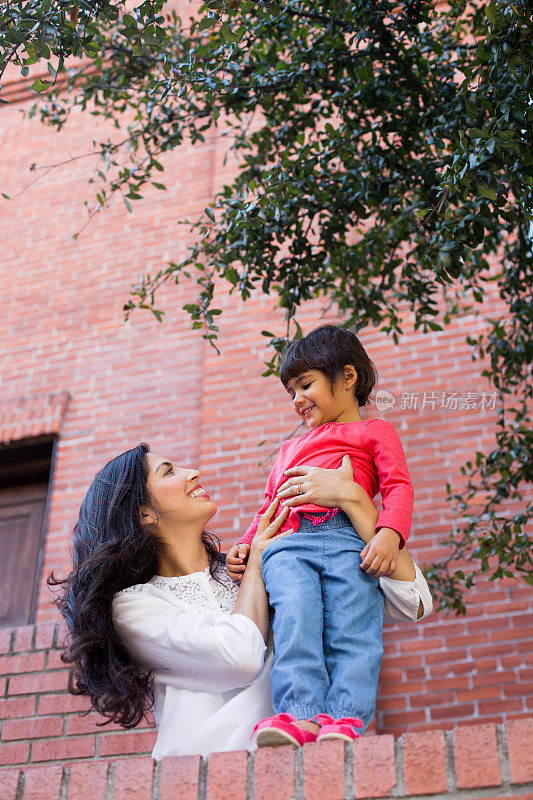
(336, 736)
(270, 737)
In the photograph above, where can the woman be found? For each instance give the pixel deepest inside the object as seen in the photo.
(154, 620)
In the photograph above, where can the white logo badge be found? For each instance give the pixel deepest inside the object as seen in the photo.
(384, 400)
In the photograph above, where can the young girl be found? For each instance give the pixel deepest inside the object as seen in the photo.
(323, 582)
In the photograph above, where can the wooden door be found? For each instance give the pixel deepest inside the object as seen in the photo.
(22, 510)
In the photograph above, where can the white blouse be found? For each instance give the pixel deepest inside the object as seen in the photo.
(211, 668)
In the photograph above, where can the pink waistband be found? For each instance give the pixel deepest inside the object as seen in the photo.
(316, 519)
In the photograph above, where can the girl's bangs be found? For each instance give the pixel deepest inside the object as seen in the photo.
(294, 363)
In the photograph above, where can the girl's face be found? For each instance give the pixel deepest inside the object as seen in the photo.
(178, 497)
(317, 403)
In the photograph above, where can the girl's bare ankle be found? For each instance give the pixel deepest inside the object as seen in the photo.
(312, 727)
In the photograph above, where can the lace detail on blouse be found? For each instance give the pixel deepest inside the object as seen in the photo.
(198, 589)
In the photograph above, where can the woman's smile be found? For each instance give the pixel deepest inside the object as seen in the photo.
(199, 491)
(173, 488)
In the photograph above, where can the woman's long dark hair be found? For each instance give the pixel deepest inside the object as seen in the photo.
(111, 551)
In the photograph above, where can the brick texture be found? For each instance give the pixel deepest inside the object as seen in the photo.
(374, 766)
(520, 749)
(71, 366)
(16, 753)
(16, 707)
(421, 761)
(227, 776)
(181, 772)
(424, 762)
(88, 781)
(274, 773)
(9, 781)
(62, 749)
(126, 743)
(32, 416)
(133, 778)
(476, 756)
(42, 782)
(35, 728)
(324, 771)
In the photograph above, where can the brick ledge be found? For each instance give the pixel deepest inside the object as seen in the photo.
(474, 761)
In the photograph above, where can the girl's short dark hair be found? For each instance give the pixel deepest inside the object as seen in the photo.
(112, 550)
(328, 349)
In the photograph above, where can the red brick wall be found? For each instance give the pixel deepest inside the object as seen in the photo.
(481, 761)
(40, 721)
(62, 331)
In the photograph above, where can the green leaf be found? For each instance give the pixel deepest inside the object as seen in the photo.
(490, 11)
(91, 48)
(484, 191)
(346, 145)
(210, 214)
(226, 33)
(208, 22)
(39, 85)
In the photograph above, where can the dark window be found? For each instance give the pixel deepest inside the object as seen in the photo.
(25, 469)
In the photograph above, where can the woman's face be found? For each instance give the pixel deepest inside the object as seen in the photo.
(177, 495)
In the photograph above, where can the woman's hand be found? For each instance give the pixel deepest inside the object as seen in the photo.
(332, 488)
(266, 530)
(252, 598)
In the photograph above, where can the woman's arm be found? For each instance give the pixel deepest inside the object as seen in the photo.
(407, 595)
(336, 488)
(252, 598)
(203, 651)
(406, 601)
(407, 584)
(363, 516)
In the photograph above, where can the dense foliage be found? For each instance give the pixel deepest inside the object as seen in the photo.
(385, 163)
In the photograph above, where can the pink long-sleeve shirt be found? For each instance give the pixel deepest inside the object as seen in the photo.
(378, 463)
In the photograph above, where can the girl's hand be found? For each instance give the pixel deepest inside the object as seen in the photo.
(332, 488)
(266, 530)
(380, 556)
(236, 559)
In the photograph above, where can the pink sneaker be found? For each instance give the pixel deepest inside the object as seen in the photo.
(345, 728)
(281, 729)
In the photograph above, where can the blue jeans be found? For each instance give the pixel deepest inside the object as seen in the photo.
(328, 622)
